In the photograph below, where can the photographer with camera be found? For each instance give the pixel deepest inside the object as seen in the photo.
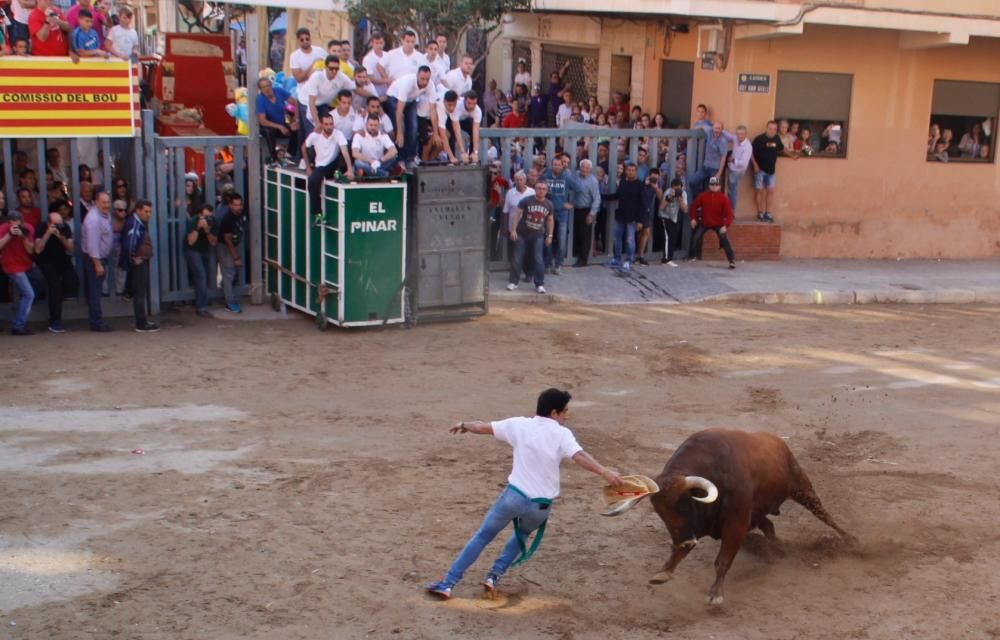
(50, 31)
(200, 237)
(673, 202)
(54, 250)
(16, 246)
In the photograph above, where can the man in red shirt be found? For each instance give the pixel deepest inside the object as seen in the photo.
(712, 211)
(17, 243)
(26, 206)
(49, 30)
(516, 119)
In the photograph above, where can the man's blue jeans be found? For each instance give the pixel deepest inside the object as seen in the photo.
(508, 506)
(199, 264)
(698, 180)
(382, 172)
(733, 186)
(561, 240)
(410, 133)
(624, 232)
(94, 285)
(25, 296)
(523, 246)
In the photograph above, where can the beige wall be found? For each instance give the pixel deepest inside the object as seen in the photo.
(884, 200)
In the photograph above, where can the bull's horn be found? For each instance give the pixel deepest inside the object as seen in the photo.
(697, 482)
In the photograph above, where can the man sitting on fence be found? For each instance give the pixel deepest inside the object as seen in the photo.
(374, 152)
(329, 154)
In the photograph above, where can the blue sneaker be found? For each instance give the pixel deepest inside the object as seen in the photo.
(611, 264)
(490, 583)
(626, 267)
(235, 308)
(56, 327)
(439, 589)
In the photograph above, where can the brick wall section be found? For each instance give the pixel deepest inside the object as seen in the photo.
(751, 240)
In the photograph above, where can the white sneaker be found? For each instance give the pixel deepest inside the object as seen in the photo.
(540, 289)
(671, 263)
(511, 286)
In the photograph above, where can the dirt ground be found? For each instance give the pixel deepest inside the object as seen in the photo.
(294, 484)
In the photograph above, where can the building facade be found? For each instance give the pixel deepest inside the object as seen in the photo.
(869, 80)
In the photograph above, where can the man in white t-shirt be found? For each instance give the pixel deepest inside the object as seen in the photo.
(459, 79)
(446, 130)
(374, 153)
(374, 107)
(442, 42)
(122, 40)
(365, 89)
(344, 116)
(302, 63)
(564, 114)
(404, 59)
(371, 62)
(540, 445)
(319, 91)
(403, 98)
(330, 148)
(469, 118)
(437, 64)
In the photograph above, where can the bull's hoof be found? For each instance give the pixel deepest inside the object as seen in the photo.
(661, 578)
(714, 601)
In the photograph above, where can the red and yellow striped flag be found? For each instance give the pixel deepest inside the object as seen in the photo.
(55, 98)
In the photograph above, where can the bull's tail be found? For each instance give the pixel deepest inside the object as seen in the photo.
(804, 494)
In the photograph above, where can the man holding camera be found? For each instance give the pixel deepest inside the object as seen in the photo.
(53, 250)
(49, 31)
(673, 203)
(16, 246)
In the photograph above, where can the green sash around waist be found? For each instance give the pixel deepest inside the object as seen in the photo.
(526, 551)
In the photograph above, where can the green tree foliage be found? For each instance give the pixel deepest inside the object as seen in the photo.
(430, 17)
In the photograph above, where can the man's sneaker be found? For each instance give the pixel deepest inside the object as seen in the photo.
(511, 286)
(235, 308)
(611, 264)
(760, 216)
(490, 583)
(732, 264)
(556, 271)
(56, 327)
(204, 313)
(671, 263)
(768, 217)
(102, 328)
(439, 589)
(127, 297)
(642, 261)
(149, 327)
(626, 268)
(540, 289)
(21, 331)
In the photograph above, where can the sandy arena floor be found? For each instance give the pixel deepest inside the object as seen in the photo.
(303, 485)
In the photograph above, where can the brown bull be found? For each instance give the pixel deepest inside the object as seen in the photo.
(741, 478)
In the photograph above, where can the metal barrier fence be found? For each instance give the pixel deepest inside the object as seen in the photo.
(582, 141)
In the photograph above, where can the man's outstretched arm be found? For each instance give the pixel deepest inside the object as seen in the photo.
(588, 462)
(476, 426)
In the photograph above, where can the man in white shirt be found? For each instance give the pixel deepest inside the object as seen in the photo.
(514, 196)
(459, 79)
(402, 99)
(344, 116)
(330, 148)
(371, 63)
(523, 76)
(564, 115)
(442, 42)
(365, 89)
(739, 162)
(446, 130)
(302, 63)
(540, 444)
(469, 118)
(404, 59)
(437, 64)
(374, 107)
(374, 152)
(320, 90)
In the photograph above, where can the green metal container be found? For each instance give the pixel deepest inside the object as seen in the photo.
(346, 266)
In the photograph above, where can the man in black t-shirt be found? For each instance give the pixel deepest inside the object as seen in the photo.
(533, 224)
(53, 248)
(766, 149)
(229, 249)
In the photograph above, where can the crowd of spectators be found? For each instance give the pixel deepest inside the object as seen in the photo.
(975, 144)
(81, 29)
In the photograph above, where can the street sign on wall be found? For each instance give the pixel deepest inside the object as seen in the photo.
(57, 98)
(753, 83)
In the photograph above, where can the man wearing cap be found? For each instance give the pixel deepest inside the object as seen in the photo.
(540, 444)
(712, 211)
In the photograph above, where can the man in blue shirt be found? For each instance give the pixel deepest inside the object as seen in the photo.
(562, 186)
(716, 150)
(271, 103)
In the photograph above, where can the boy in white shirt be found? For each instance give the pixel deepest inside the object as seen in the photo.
(459, 79)
(404, 59)
(371, 62)
(330, 149)
(540, 444)
(374, 153)
(469, 118)
(122, 40)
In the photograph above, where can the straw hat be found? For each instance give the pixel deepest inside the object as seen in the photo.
(633, 489)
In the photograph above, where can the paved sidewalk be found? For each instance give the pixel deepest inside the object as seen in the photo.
(784, 282)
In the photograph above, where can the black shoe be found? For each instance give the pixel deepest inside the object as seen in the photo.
(23, 331)
(579, 263)
(204, 313)
(127, 297)
(732, 264)
(768, 217)
(642, 261)
(149, 327)
(760, 217)
(102, 328)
